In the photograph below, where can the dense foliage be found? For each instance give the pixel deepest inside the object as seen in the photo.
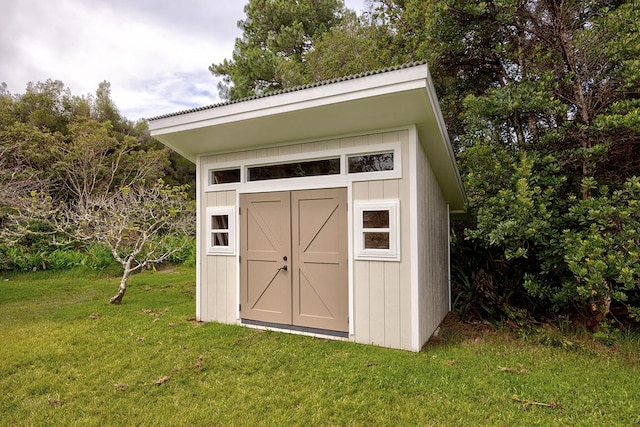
(63, 157)
(542, 102)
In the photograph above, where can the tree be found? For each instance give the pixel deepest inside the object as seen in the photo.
(541, 99)
(95, 162)
(135, 223)
(354, 46)
(276, 38)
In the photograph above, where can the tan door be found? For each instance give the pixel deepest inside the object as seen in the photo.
(306, 231)
(265, 241)
(319, 264)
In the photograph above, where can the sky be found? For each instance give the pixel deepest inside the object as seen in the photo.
(154, 53)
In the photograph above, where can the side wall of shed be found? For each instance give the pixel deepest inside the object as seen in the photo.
(433, 248)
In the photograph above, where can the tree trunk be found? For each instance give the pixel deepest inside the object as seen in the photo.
(117, 298)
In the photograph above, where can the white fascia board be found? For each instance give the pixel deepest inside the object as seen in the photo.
(442, 127)
(331, 93)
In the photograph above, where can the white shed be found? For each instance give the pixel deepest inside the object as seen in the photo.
(324, 209)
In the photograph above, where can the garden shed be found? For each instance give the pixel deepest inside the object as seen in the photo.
(324, 209)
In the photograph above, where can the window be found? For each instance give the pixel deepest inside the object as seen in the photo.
(224, 176)
(336, 165)
(221, 230)
(377, 230)
(295, 169)
(370, 162)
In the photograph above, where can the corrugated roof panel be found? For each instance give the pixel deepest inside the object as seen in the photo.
(293, 89)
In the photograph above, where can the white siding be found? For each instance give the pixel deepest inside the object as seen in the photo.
(433, 249)
(218, 300)
(382, 312)
(382, 292)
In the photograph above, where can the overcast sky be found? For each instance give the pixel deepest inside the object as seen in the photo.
(155, 53)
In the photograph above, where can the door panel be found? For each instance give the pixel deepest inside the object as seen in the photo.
(309, 228)
(265, 290)
(319, 259)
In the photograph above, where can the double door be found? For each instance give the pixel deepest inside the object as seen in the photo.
(293, 252)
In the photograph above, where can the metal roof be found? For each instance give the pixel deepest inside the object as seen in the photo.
(292, 89)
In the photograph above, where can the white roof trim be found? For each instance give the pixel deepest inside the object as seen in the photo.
(401, 97)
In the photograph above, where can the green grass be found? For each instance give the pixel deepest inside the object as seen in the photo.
(67, 357)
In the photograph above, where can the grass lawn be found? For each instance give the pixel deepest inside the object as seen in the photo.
(67, 357)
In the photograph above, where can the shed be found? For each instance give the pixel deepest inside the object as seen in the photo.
(324, 209)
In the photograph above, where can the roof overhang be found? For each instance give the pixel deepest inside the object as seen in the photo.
(390, 99)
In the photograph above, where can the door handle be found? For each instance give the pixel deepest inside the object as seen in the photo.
(284, 267)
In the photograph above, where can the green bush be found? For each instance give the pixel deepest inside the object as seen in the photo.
(602, 251)
(93, 257)
(61, 259)
(98, 257)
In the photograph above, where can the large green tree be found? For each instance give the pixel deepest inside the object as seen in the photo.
(277, 36)
(541, 98)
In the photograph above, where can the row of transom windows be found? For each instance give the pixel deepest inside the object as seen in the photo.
(384, 161)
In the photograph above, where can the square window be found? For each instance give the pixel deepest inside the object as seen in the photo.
(377, 230)
(220, 222)
(375, 219)
(224, 176)
(370, 162)
(221, 230)
(219, 239)
(376, 240)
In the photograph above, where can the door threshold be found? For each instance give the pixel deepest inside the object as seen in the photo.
(302, 330)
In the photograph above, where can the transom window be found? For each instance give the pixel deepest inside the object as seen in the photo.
(295, 169)
(370, 162)
(224, 176)
(347, 164)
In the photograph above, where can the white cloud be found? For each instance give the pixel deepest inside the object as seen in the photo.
(155, 53)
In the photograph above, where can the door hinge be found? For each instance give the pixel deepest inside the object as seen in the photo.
(239, 307)
(239, 211)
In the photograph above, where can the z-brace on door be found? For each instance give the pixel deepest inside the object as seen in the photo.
(294, 258)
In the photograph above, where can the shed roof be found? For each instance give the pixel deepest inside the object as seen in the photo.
(366, 102)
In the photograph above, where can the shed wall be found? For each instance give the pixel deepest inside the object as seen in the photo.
(433, 249)
(382, 289)
(218, 298)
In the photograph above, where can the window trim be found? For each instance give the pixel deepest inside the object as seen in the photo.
(336, 179)
(362, 253)
(230, 212)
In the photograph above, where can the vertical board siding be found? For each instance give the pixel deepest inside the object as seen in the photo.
(433, 249)
(382, 291)
(218, 272)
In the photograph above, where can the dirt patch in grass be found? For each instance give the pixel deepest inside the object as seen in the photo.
(454, 330)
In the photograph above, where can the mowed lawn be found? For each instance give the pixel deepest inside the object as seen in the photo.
(67, 357)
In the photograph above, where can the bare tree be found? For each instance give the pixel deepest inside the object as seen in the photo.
(135, 223)
(142, 225)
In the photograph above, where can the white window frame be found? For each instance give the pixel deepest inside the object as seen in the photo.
(230, 212)
(393, 207)
(303, 182)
